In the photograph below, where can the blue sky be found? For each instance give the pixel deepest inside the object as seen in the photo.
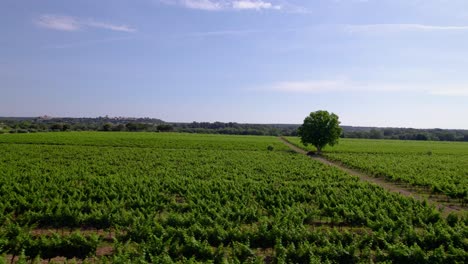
(374, 63)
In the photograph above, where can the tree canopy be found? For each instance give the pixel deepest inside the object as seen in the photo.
(320, 128)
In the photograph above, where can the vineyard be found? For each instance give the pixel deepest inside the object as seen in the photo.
(182, 198)
(441, 167)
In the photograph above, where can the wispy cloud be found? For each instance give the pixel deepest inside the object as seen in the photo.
(450, 90)
(346, 85)
(85, 43)
(69, 23)
(366, 28)
(257, 5)
(200, 4)
(97, 24)
(336, 85)
(221, 33)
(388, 28)
(65, 23)
(215, 5)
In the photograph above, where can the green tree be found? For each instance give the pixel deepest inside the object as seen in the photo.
(164, 127)
(107, 127)
(376, 134)
(320, 128)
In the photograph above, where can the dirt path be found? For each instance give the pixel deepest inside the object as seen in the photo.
(390, 186)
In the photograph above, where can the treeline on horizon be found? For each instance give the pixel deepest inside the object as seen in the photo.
(46, 124)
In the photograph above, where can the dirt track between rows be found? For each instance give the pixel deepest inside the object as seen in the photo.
(387, 185)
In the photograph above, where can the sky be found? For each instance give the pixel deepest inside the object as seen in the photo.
(386, 63)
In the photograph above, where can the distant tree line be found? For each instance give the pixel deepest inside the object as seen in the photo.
(112, 124)
(406, 134)
(232, 128)
(31, 125)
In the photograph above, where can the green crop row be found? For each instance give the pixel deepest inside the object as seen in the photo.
(146, 140)
(347, 145)
(440, 166)
(218, 199)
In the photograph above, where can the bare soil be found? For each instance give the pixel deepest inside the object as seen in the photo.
(106, 235)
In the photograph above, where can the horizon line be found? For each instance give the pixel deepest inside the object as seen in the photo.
(247, 123)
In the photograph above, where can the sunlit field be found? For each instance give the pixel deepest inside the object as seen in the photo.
(154, 197)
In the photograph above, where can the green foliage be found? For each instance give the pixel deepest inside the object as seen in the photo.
(452, 219)
(20, 242)
(164, 127)
(320, 128)
(444, 170)
(178, 198)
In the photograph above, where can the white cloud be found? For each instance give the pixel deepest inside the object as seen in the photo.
(69, 23)
(346, 85)
(97, 24)
(57, 22)
(310, 86)
(249, 4)
(221, 33)
(214, 5)
(450, 90)
(338, 85)
(201, 4)
(385, 28)
(85, 43)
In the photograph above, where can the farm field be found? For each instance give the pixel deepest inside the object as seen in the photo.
(181, 198)
(440, 167)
